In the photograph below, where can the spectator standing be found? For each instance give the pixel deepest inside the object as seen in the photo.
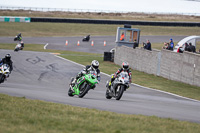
(135, 44)
(171, 44)
(192, 47)
(148, 45)
(186, 46)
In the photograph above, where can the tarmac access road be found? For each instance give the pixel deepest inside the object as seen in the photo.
(44, 76)
(59, 43)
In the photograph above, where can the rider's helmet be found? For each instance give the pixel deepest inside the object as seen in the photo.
(7, 57)
(125, 65)
(95, 64)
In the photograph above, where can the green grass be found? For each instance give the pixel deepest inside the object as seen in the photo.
(21, 115)
(140, 78)
(71, 29)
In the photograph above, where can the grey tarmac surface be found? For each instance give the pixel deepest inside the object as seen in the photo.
(44, 76)
(59, 42)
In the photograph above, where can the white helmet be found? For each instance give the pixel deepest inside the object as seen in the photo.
(95, 64)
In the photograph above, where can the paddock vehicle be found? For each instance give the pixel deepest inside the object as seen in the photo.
(118, 86)
(4, 72)
(83, 84)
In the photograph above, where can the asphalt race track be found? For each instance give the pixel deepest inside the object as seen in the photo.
(44, 76)
(59, 42)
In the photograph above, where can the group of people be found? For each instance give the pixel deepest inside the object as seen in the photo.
(190, 48)
(187, 47)
(169, 46)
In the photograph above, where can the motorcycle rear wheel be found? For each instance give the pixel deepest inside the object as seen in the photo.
(70, 92)
(107, 94)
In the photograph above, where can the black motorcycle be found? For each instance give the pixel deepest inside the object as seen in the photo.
(87, 38)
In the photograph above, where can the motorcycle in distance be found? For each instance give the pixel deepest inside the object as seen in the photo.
(83, 84)
(87, 38)
(19, 46)
(4, 72)
(118, 86)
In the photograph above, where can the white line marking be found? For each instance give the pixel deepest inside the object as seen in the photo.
(136, 84)
(45, 46)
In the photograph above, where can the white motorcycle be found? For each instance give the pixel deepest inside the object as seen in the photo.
(4, 72)
(18, 47)
(118, 86)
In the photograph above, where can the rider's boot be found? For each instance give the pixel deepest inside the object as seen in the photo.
(73, 82)
(109, 85)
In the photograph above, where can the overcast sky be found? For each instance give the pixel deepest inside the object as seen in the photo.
(171, 6)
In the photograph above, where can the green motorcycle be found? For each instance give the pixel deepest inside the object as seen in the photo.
(83, 84)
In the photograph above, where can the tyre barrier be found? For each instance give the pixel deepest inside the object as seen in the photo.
(117, 22)
(14, 19)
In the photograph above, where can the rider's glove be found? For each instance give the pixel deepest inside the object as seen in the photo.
(83, 72)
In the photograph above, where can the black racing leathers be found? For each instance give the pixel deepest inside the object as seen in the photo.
(9, 62)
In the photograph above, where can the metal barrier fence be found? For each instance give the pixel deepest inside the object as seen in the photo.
(86, 10)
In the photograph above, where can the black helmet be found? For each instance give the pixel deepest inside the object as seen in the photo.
(95, 64)
(125, 65)
(8, 57)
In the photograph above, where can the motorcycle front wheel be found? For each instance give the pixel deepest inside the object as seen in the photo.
(119, 92)
(83, 91)
(2, 78)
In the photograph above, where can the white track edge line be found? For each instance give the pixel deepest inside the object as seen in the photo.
(45, 46)
(135, 84)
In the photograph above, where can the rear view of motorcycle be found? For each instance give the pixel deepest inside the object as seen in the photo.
(118, 86)
(4, 72)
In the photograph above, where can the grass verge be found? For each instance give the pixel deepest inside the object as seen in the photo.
(140, 78)
(21, 115)
(71, 29)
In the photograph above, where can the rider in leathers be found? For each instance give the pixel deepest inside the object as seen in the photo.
(125, 68)
(93, 67)
(7, 60)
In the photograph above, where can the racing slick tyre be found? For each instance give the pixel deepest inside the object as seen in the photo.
(119, 92)
(107, 94)
(70, 92)
(84, 91)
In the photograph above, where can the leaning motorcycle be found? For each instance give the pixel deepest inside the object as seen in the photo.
(118, 86)
(83, 84)
(86, 38)
(4, 72)
(18, 47)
